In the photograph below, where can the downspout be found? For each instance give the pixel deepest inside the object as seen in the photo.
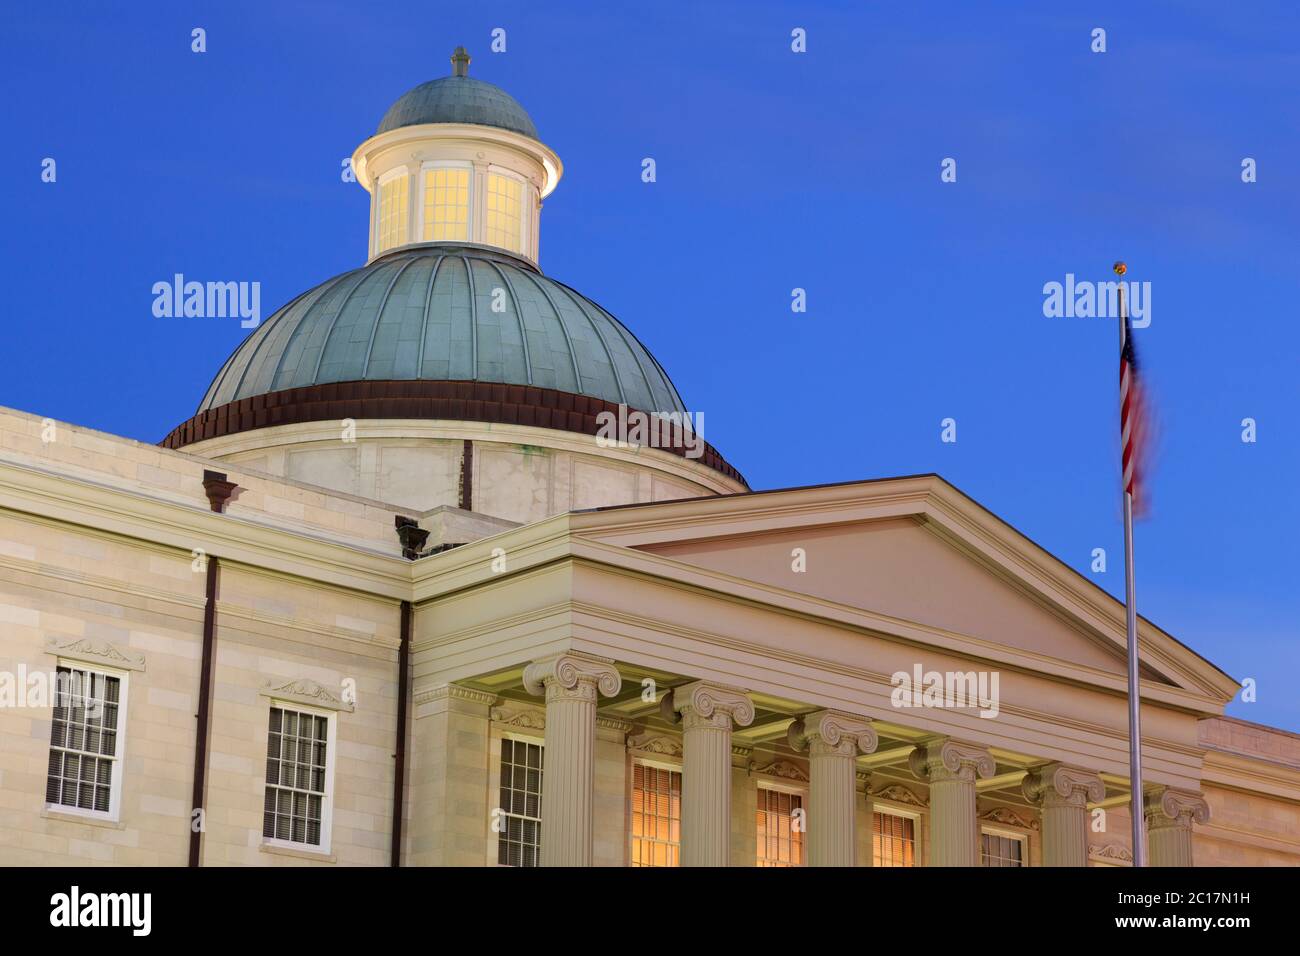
(218, 490)
(413, 539)
(399, 768)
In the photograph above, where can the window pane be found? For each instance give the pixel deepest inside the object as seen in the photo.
(656, 817)
(446, 204)
(893, 842)
(391, 228)
(295, 776)
(519, 841)
(83, 739)
(504, 226)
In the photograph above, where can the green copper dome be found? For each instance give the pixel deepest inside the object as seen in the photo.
(444, 312)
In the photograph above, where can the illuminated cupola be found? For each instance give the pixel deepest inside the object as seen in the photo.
(456, 160)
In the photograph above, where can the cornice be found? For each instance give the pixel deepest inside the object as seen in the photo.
(183, 526)
(54, 573)
(799, 663)
(1251, 775)
(276, 625)
(428, 695)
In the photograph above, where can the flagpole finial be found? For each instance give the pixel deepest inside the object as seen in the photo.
(1120, 268)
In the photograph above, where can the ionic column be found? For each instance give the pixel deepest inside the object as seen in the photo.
(1170, 814)
(708, 712)
(952, 769)
(1064, 793)
(833, 741)
(570, 683)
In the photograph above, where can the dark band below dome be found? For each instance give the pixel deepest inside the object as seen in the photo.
(489, 402)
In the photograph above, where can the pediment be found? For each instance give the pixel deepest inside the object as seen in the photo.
(914, 550)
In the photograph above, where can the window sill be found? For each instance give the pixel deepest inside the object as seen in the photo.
(297, 853)
(53, 813)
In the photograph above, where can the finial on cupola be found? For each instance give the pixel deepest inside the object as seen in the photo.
(460, 62)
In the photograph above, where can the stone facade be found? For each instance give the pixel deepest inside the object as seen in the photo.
(568, 632)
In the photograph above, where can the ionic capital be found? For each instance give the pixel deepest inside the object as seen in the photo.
(945, 759)
(1056, 785)
(702, 704)
(831, 732)
(1166, 807)
(572, 676)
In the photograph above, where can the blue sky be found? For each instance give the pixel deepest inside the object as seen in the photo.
(775, 171)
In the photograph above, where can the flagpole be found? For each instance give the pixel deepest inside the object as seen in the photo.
(1136, 807)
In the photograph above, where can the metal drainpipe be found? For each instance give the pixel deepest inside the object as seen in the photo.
(399, 767)
(218, 490)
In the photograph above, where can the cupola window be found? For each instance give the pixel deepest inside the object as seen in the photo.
(394, 196)
(505, 212)
(446, 203)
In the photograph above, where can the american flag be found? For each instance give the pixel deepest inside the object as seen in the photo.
(1133, 420)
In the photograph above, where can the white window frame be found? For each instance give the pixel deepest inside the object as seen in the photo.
(801, 793)
(918, 857)
(495, 783)
(471, 219)
(114, 812)
(327, 798)
(525, 200)
(675, 767)
(1009, 834)
(380, 183)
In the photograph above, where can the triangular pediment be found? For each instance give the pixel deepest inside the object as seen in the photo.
(914, 550)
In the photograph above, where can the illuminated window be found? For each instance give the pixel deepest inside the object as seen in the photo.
(296, 805)
(85, 742)
(520, 841)
(893, 840)
(656, 816)
(997, 849)
(780, 832)
(504, 212)
(446, 203)
(391, 228)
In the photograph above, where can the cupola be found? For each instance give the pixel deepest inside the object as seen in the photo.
(456, 160)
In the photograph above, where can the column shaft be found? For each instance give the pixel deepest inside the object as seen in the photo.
(567, 779)
(570, 683)
(708, 712)
(832, 740)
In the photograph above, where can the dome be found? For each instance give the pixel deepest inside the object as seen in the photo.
(446, 313)
(458, 99)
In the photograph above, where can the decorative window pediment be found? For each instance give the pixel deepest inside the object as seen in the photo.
(304, 690)
(103, 653)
